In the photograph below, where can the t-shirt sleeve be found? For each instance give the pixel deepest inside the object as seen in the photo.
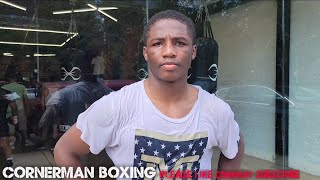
(228, 136)
(11, 96)
(97, 124)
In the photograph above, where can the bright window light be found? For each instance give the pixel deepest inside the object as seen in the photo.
(13, 5)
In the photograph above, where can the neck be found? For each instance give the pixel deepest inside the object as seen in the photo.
(167, 91)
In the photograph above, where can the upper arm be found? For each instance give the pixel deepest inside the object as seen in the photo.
(98, 124)
(13, 106)
(229, 133)
(71, 142)
(70, 148)
(234, 163)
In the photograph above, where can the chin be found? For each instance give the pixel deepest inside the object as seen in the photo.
(170, 79)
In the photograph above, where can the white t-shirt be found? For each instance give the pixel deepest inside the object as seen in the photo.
(135, 133)
(99, 65)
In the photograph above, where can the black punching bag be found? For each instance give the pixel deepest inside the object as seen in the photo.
(204, 67)
(75, 64)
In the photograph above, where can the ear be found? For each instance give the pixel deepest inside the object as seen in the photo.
(194, 51)
(145, 55)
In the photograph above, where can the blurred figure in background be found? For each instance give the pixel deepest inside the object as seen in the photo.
(23, 105)
(64, 106)
(99, 65)
(5, 101)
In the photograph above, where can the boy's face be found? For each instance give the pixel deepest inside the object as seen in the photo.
(169, 50)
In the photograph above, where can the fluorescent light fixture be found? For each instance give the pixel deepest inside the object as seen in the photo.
(13, 5)
(27, 55)
(93, 8)
(44, 55)
(29, 44)
(74, 34)
(83, 10)
(109, 16)
(71, 37)
(7, 54)
(36, 30)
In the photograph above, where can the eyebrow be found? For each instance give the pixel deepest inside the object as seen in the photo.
(175, 38)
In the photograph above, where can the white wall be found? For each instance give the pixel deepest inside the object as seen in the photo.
(247, 54)
(304, 125)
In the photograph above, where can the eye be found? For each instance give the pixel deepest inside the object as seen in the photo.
(157, 44)
(179, 43)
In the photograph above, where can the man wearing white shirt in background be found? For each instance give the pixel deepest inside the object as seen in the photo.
(99, 65)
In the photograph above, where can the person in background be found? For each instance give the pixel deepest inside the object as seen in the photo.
(23, 106)
(5, 102)
(64, 106)
(99, 65)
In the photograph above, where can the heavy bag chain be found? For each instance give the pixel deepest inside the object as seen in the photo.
(207, 21)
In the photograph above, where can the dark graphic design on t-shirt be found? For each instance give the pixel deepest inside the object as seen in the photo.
(169, 153)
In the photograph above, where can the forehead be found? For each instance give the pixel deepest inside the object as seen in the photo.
(171, 27)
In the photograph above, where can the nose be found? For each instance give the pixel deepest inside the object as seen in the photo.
(168, 50)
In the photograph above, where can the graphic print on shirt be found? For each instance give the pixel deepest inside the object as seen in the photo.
(169, 153)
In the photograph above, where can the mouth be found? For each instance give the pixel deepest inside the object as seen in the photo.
(169, 66)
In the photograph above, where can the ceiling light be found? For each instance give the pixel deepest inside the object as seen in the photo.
(38, 44)
(29, 44)
(83, 10)
(47, 55)
(7, 54)
(36, 30)
(27, 55)
(109, 16)
(93, 8)
(13, 5)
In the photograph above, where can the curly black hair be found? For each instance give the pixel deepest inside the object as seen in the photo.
(170, 14)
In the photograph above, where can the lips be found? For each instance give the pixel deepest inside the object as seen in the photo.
(169, 66)
(169, 63)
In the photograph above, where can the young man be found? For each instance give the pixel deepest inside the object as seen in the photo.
(162, 120)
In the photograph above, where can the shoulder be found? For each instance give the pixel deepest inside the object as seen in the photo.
(127, 92)
(213, 105)
(22, 86)
(5, 86)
